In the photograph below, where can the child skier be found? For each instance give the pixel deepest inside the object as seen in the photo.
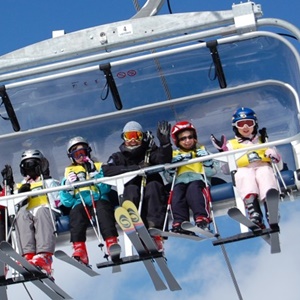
(190, 181)
(35, 219)
(84, 168)
(254, 176)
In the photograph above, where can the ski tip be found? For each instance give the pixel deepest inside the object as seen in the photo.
(123, 219)
(273, 192)
(133, 212)
(129, 204)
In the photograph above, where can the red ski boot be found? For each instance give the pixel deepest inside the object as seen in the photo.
(43, 261)
(112, 240)
(28, 256)
(80, 252)
(159, 242)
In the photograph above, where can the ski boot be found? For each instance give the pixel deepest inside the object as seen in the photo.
(159, 242)
(113, 248)
(28, 256)
(254, 210)
(203, 223)
(176, 228)
(43, 261)
(80, 252)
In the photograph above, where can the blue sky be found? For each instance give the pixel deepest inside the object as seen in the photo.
(199, 267)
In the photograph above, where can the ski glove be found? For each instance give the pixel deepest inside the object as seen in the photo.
(24, 188)
(7, 175)
(263, 135)
(72, 177)
(148, 138)
(220, 145)
(89, 164)
(273, 155)
(163, 133)
(201, 152)
(181, 157)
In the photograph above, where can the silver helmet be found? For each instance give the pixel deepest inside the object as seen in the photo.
(33, 162)
(77, 140)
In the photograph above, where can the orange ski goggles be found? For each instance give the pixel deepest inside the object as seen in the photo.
(133, 135)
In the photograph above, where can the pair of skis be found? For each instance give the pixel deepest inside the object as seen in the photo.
(130, 221)
(270, 235)
(29, 272)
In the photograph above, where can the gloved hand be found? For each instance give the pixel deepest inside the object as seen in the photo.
(148, 138)
(273, 155)
(7, 175)
(24, 188)
(201, 152)
(208, 163)
(72, 177)
(143, 164)
(181, 157)
(89, 164)
(163, 132)
(220, 145)
(171, 172)
(263, 135)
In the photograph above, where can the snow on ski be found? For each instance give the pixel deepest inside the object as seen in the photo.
(191, 227)
(72, 261)
(272, 199)
(150, 245)
(9, 256)
(156, 231)
(238, 216)
(3, 293)
(123, 219)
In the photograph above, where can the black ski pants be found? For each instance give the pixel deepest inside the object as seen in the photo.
(189, 196)
(79, 220)
(154, 202)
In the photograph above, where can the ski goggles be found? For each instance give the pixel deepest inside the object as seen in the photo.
(29, 164)
(133, 135)
(241, 123)
(78, 153)
(190, 137)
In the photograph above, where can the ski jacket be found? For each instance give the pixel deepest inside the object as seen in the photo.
(129, 160)
(192, 172)
(250, 156)
(43, 199)
(87, 193)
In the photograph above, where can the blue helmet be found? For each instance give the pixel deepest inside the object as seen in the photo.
(243, 113)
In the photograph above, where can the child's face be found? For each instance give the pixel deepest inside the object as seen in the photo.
(186, 140)
(246, 131)
(79, 154)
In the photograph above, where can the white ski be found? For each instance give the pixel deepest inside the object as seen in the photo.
(191, 227)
